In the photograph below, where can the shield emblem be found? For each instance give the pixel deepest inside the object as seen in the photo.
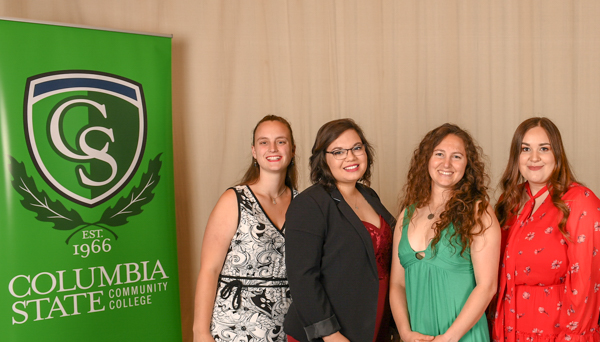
(86, 132)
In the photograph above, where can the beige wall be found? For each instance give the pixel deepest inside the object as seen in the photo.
(399, 68)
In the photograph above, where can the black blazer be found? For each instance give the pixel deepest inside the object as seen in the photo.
(331, 266)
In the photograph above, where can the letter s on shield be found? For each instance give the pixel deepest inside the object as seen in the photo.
(86, 132)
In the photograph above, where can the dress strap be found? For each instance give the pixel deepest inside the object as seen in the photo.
(530, 204)
(408, 213)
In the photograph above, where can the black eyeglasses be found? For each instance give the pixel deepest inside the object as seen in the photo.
(342, 153)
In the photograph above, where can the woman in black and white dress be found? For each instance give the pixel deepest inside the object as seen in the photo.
(242, 292)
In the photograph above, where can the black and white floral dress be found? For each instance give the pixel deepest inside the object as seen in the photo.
(253, 295)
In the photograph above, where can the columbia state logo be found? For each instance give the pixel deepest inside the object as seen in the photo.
(86, 132)
(86, 135)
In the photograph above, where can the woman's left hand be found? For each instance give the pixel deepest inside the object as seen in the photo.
(443, 338)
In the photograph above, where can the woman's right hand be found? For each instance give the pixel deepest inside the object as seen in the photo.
(414, 336)
(335, 337)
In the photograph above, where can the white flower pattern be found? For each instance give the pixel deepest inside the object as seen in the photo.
(256, 258)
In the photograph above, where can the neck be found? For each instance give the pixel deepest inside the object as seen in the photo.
(439, 197)
(270, 184)
(347, 189)
(535, 188)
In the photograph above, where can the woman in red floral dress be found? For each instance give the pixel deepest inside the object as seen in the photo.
(550, 267)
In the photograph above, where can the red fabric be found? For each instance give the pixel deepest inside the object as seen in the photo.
(291, 339)
(382, 243)
(549, 285)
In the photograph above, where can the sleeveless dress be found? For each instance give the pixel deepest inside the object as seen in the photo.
(382, 243)
(438, 285)
(253, 295)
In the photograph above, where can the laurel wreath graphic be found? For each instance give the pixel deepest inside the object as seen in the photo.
(55, 212)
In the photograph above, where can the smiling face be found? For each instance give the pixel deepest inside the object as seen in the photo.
(536, 160)
(272, 146)
(352, 168)
(448, 163)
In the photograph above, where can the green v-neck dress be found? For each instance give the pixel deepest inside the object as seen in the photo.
(438, 285)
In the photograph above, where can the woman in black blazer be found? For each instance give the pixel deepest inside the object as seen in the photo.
(338, 244)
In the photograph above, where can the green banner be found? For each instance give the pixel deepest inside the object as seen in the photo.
(87, 215)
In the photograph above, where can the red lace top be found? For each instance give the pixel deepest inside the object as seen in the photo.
(382, 243)
(549, 284)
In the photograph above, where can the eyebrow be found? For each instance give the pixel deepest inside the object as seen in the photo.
(339, 147)
(542, 144)
(442, 150)
(281, 137)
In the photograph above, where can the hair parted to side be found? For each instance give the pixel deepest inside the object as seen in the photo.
(253, 172)
(558, 184)
(328, 133)
(469, 199)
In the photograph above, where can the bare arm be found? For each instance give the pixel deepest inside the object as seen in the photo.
(220, 229)
(485, 255)
(398, 293)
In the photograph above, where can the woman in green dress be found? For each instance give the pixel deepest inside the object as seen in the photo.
(445, 271)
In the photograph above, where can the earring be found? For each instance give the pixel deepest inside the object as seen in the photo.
(255, 163)
(292, 163)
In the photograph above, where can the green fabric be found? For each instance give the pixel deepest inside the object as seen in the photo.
(438, 285)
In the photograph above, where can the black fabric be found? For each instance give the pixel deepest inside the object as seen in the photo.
(322, 328)
(331, 265)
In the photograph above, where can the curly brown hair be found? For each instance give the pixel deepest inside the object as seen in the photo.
(512, 180)
(469, 199)
(253, 172)
(319, 170)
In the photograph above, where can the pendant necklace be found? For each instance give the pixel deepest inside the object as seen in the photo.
(355, 203)
(273, 199)
(431, 215)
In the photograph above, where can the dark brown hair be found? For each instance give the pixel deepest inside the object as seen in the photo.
(253, 173)
(469, 199)
(560, 179)
(328, 133)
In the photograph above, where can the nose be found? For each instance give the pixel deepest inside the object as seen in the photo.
(350, 155)
(447, 161)
(273, 147)
(535, 156)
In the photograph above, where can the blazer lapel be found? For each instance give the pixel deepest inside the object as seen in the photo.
(357, 224)
(378, 207)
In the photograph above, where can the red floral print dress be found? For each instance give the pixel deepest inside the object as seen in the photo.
(549, 284)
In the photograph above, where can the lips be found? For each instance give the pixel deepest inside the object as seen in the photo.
(445, 173)
(351, 168)
(274, 158)
(534, 168)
